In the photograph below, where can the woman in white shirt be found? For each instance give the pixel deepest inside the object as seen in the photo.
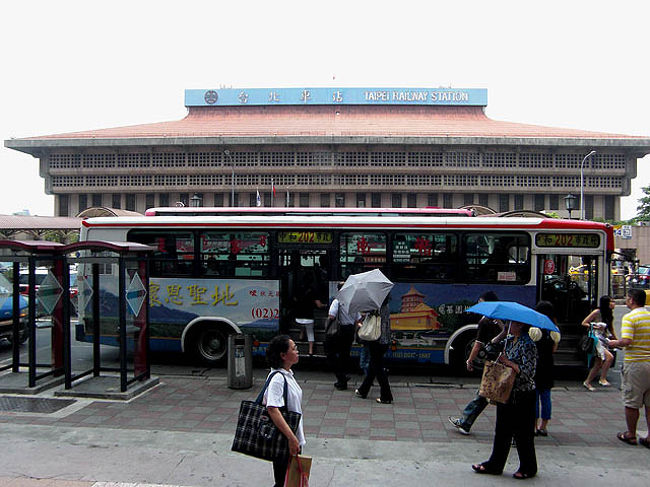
(281, 354)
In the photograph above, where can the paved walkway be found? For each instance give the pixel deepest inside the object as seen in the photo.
(199, 414)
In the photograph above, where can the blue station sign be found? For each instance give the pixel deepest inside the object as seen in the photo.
(336, 96)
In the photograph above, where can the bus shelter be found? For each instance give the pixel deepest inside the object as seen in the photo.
(109, 296)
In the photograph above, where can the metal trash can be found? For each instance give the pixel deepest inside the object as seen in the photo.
(240, 362)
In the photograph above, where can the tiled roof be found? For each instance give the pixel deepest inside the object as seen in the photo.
(20, 222)
(398, 121)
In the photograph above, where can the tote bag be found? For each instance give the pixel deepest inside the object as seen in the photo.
(370, 330)
(256, 434)
(497, 382)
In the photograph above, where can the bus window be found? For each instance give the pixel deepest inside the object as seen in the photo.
(234, 254)
(424, 256)
(497, 257)
(174, 253)
(361, 252)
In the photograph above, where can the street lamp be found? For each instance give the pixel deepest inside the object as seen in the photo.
(570, 202)
(582, 184)
(232, 177)
(195, 201)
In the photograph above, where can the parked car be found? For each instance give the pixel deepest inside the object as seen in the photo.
(641, 278)
(6, 312)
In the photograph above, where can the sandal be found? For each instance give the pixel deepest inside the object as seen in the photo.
(522, 475)
(630, 440)
(604, 383)
(645, 442)
(541, 432)
(482, 468)
(589, 387)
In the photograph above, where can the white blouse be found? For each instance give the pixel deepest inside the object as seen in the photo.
(274, 397)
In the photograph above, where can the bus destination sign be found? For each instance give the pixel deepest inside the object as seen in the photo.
(305, 237)
(586, 240)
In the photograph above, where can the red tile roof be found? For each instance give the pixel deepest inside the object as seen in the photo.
(396, 121)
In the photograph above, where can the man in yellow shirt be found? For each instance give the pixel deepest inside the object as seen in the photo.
(635, 338)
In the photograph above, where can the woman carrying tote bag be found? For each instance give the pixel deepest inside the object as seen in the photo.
(281, 354)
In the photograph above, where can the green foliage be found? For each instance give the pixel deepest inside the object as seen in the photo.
(643, 210)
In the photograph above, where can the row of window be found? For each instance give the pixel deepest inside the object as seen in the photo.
(498, 257)
(324, 158)
(253, 180)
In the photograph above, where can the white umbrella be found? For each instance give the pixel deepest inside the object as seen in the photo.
(364, 292)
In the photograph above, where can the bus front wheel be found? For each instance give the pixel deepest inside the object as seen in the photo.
(209, 344)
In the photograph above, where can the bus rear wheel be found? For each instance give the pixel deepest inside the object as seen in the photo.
(210, 344)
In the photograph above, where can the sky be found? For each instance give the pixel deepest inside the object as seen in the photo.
(80, 65)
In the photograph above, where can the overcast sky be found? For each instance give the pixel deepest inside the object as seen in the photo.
(81, 65)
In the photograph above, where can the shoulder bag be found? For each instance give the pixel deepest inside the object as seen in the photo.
(333, 327)
(497, 382)
(256, 434)
(370, 330)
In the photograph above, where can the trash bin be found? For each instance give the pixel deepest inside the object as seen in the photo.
(240, 362)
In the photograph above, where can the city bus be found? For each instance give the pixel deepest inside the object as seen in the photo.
(236, 272)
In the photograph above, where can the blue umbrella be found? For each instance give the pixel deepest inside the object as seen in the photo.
(509, 310)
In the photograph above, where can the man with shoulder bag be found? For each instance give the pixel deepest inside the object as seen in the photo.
(339, 335)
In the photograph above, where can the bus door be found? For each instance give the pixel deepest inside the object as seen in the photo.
(570, 282)
(305, 274)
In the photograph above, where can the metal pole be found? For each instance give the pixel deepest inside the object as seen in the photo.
(232, 177)
(582, 184)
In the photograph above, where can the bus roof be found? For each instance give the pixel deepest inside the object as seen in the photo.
(216, 211)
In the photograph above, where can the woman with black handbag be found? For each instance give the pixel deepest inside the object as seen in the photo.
(516, 418)
(281, 354)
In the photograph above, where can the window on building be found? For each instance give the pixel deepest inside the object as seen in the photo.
(304, 200)
(483, 199)
(163, 199)
(252, 200)
(447, 200)
(130, 202)
(63, 205)
(553, 202)
(610, 207)
(234, 199)
(396, 200)
(324, 200)
(97, 199)
(432, 199)
(149, 200)
(375, 200)
(361, 200)
(539, 202)
(184, 198)
(411, 200)
(117, 201)
(519, 202)
(83, 202)
(468, 199)
(218, 199)
(504, 203)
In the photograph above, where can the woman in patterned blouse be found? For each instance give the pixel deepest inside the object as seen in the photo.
(517, 417)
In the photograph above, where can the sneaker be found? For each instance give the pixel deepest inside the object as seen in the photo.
(458, 423)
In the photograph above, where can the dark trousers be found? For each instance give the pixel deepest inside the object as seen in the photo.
(472, 411)
(515, 419)
(280, 470)
(376, 369)
(338, 352)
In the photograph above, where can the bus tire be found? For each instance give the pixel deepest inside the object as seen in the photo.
(462, 347)
(209, 344)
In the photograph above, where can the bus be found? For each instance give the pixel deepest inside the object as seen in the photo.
(237, 272)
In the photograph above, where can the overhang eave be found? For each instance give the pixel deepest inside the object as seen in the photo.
(36, 147)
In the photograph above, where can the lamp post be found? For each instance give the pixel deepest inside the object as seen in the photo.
(232, 177)
(582, 184)
(570, 202)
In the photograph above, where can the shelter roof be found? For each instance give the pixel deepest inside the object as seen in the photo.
(19, 222)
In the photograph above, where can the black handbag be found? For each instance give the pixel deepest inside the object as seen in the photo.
(586, 344)
(333, 327)
(256, 434)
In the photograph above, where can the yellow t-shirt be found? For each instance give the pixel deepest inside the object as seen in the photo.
(636, 327)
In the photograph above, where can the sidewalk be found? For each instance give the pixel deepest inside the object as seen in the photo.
(180, 432)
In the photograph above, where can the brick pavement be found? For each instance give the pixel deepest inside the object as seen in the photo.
(419, 413)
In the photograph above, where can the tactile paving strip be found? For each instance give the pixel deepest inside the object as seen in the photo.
(33, 404)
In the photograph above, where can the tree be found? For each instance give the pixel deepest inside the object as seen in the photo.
(643, 210)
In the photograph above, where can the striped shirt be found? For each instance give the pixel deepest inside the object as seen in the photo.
(636, 327)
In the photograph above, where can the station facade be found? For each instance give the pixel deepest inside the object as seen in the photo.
(337, 147)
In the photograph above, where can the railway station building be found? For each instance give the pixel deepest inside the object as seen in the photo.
(337, 147)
